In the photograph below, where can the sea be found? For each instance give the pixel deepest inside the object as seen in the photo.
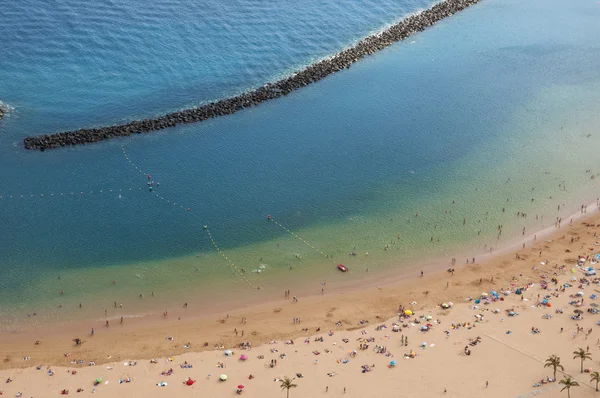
(462, 139)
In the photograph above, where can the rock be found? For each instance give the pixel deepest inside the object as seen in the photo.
(311, 74)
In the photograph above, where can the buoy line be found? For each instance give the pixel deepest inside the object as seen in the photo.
(301, 239)
(7, 196)
(236, 271)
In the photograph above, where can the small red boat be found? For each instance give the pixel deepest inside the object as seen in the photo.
(342, 267)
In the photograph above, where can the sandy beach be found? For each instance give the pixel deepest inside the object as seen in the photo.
(343, 343)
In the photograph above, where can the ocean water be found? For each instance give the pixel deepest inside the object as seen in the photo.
(495, 108)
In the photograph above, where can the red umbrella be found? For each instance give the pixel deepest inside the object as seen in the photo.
(189, 382)
(241, 386)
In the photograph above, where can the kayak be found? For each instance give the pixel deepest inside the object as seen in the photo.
(342, 267)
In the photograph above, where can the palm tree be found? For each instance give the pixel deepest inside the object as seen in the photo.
(554, 362)
(583, 355)
(568, 383)
(286, 384)
(595, 376)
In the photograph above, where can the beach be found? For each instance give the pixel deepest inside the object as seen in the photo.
(447, 172)
(317, 340)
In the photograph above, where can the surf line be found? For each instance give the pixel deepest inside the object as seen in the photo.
(227, 106)
(236, 271)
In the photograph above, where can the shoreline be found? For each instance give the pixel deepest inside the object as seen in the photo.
(503, 354)
(396, 271)
(310, 74)
(210, 323)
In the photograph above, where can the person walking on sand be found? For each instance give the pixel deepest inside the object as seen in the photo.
(487, 383)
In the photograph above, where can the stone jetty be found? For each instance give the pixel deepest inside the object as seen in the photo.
(312, 73)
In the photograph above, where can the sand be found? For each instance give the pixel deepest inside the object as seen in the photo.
(510, 363)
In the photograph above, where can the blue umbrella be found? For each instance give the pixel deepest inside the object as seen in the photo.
(393, 363)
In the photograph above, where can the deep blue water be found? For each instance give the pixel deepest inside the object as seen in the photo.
(74, 64)
(396, 122)
(70, 64)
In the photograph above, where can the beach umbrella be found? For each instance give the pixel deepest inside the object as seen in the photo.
(223, 377)
(243, 357)
(484, 294)
(241, 386)
(429, 317)
(99, 380)
(408, 312)
(578, 312)
(393, 362)
(445, 305)
(594, 305)
(228, 352)
(189, 382)
(424, 328)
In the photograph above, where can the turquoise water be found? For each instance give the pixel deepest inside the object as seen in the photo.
(495, 103)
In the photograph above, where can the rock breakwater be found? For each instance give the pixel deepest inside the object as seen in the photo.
(310, 74)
